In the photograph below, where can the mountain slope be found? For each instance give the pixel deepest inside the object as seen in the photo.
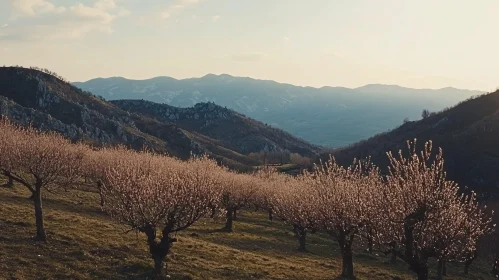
(31, 96)
(328, 116)
(468, 134)
(231, 129)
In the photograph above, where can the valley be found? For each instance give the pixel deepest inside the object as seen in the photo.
(327, 116)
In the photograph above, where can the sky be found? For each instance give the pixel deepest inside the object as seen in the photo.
(351, 43)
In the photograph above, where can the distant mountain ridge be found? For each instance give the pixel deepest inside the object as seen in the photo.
(29, 96)
(328, 116)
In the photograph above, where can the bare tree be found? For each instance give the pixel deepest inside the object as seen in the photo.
(425, 114)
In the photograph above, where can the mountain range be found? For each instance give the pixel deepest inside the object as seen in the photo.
(29, 96)
(327, 116)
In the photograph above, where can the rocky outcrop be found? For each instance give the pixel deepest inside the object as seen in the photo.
(231, 129)
(29, 116)
(116, 132)
(31, 97)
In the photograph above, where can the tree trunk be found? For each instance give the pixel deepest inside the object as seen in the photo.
(301, 235)
(393, 258)
(213, 212)
(470, 258)
(270, 215)
(418, 264)
(158, 249)
(10, 183)
(370, 245)
(440, 269)
(392, 251)
(235, 214)
(347, 266)
(345, 243)
(370, 239)
(40, 228)
(99, 188)
(423, 273)
(228, 221)
(159, 268)
(466, 268)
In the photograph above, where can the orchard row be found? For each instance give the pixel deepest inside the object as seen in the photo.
(412, 212)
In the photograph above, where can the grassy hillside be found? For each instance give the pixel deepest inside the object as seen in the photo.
(85, 244)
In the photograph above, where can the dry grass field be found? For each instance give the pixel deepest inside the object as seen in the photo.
(86, 244)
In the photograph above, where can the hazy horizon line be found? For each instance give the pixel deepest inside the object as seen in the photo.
(281, 83)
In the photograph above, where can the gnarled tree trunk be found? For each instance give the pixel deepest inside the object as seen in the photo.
(158, 248)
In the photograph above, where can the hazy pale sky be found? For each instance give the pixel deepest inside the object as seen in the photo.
(414, 43)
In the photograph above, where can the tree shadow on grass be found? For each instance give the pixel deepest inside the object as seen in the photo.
(143, 271)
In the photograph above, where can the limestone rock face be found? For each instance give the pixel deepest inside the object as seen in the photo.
(30, 97)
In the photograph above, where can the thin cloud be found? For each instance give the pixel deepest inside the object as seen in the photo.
(34, 7)
(105, 5)
(34, 20)
(5, 25)
(215, 18)
(176, 7)
(286, 39)
(95, 13)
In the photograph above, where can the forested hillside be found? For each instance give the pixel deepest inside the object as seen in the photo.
(467, 132)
